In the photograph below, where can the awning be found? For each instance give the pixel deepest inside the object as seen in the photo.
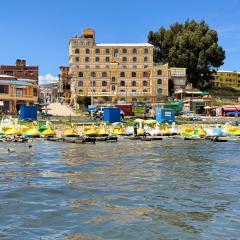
(197, 93)
(231, 108)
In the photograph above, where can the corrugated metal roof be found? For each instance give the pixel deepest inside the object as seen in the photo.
(7, 76)
(15, 82)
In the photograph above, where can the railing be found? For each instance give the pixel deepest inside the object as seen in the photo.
(7, 95)
(200, 99)
(118, 93)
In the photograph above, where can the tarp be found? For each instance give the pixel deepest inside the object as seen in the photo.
(92, 108)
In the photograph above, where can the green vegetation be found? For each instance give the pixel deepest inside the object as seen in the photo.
(192, 45)
(83, 101)
(138, 111)
(224, 95)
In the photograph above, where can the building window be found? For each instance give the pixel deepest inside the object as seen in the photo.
(124, 50)
(113, 88)
(86, 59)
(97, 59)
(144, 90)
(159, 72)
(93, 83)
(145, 74)
(122, 90)
(115, 52)
(104, 74)
(124, 59)
(122, 83)
(80, 74)
(145, 59)
(80, 91)
(122, 99)
(134, 51)
(87, 51)
(104, 83)
(97, 50)
(159, 91)
(134, 100)
(76, 51)
(144, 83)
(104, 90)
(122, 74)
(134, 74)
(107, 51)
(19, 91)
(93, 74)
(35, 92)
(107, 59)
(145, 99)
(145, 50)
(80, 83)
(133, 90)
(134, 59)
(77, 59)
(113, 79)
(134, 84)
(159, 81)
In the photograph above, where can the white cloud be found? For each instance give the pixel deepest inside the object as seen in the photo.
(47, 78)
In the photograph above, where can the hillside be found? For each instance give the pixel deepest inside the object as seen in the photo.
(225, 95)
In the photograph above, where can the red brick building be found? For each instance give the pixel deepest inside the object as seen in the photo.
(20, 70)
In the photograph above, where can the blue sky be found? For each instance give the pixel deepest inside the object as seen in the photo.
(39, 30)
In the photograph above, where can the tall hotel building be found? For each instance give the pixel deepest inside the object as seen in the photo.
(118, 72)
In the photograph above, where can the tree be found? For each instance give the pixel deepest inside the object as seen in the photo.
(192, 45)
(83, 101)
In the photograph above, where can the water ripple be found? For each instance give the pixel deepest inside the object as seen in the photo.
(128, 190)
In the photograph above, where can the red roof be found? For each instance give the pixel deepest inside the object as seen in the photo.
(232, 108)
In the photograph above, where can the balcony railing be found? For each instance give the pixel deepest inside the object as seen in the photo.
(118, 93)
(7, 95)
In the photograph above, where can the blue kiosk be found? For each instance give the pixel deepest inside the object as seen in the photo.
(111, 114)
(28, 112)
(165, 115)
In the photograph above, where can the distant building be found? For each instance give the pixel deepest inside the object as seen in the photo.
(65, 84)
(15, 92)
(118, 72)
(49, 93)
(226, 79)
(178, 77)
(20, 70)
(18, 85)
(193, 99)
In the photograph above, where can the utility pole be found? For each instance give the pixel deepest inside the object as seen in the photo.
(91, 79)
(91, 91)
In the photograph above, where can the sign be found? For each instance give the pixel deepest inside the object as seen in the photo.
(1, 103)
(168, 114)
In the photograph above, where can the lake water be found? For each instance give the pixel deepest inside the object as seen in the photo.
(169, 189)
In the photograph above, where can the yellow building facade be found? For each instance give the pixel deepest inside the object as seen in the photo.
(118, 72)
(226, 79)
(14, 92)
